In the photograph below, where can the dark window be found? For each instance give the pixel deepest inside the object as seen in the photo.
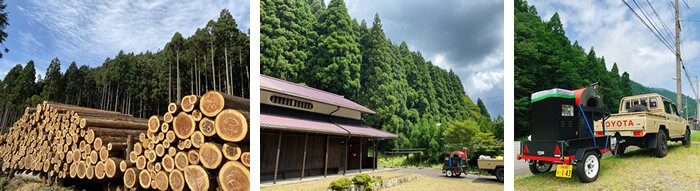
(652, 103)
(291, 102)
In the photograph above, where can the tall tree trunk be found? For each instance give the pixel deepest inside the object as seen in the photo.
(228, 85)
(170, 83)
(179, 88)
(240, 65)
(116, 99)
(192, 78)
(213, 70)
(4, 117)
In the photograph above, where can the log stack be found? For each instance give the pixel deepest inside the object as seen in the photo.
(64, 141)
(201, 144)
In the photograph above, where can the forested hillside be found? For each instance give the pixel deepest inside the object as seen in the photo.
(321, 46)
(216, 57)
(641, 89)
(546, 59)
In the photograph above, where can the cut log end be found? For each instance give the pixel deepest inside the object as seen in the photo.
(161, 181)
(177, 180)
(193, 157)
(184, 125)
(231, 151)
(234, 176)
(145, 179)
(181, 161)
(197, 178)
(231, 125)
(153, 123)
(197, 139)
(206, 126)
(130, 177)
(245, 159)
(210, 155)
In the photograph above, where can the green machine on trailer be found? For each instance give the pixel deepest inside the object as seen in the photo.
(562, 133)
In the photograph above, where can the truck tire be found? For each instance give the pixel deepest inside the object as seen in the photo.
(686, 137)
(449, 173)
(661, 145)
(499, 174)
(458, 174)
(588, 170)
(538, 167)
(638, 108)
(620, 150)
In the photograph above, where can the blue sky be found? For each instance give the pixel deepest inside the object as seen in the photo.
(465, 36)
(618, 35)
(88, 32)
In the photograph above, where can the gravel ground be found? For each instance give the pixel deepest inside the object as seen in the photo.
(432, 172)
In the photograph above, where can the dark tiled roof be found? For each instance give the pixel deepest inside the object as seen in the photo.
(324, 127)
(294, 89)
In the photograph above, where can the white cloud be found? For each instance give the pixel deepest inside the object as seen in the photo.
(619, 36)
(100, 29)
(485, 81)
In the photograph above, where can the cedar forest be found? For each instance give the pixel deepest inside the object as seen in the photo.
(215, 57)
(307, 42)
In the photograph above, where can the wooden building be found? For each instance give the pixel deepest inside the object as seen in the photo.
(310, 132)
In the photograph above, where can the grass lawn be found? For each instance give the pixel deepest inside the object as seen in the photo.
(432, 183)
(322, 184)
(695, 137)
(635, 170)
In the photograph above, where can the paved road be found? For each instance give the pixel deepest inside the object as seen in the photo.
(432, 172)
(521, 167)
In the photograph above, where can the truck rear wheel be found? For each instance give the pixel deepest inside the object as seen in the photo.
(538, 167)
(686, 137)
(588, 170)
(499, 174)
(661, 145)
(620, 150)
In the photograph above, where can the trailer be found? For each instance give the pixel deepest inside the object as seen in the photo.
(562, 133)
(454, 163)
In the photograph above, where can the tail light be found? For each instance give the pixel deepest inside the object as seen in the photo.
(638, 133)
(566, 160)
(556, 150)
(525, 151)
(598, 134)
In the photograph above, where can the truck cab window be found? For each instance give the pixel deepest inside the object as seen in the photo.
(627, 105)
(675, 110)
(644, 102)
(652, 103)
(667, 107)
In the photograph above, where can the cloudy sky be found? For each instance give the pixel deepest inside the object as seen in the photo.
(88, 32)
(616, 33)
(465, 36)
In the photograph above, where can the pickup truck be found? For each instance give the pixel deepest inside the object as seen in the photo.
(646, 121)
(493, 166)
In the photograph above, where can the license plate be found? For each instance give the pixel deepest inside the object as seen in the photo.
(564, 170)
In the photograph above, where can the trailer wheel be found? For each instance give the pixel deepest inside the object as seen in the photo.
(499, 174)
(588, 170)
(449, 173)
(661, 145)
(458, 174)
(686, 137)
(537, 167)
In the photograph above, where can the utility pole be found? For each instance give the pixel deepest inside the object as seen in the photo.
(679, 93)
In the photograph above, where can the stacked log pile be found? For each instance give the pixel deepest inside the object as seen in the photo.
(69, 141)
(201, 144)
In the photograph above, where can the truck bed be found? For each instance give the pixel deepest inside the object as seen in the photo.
(489, 163)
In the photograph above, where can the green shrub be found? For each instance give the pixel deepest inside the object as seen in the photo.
(361, 179)
(3, 183)
(340, 184)
(378, 180)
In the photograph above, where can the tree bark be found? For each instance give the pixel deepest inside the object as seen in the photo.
(177, 61)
